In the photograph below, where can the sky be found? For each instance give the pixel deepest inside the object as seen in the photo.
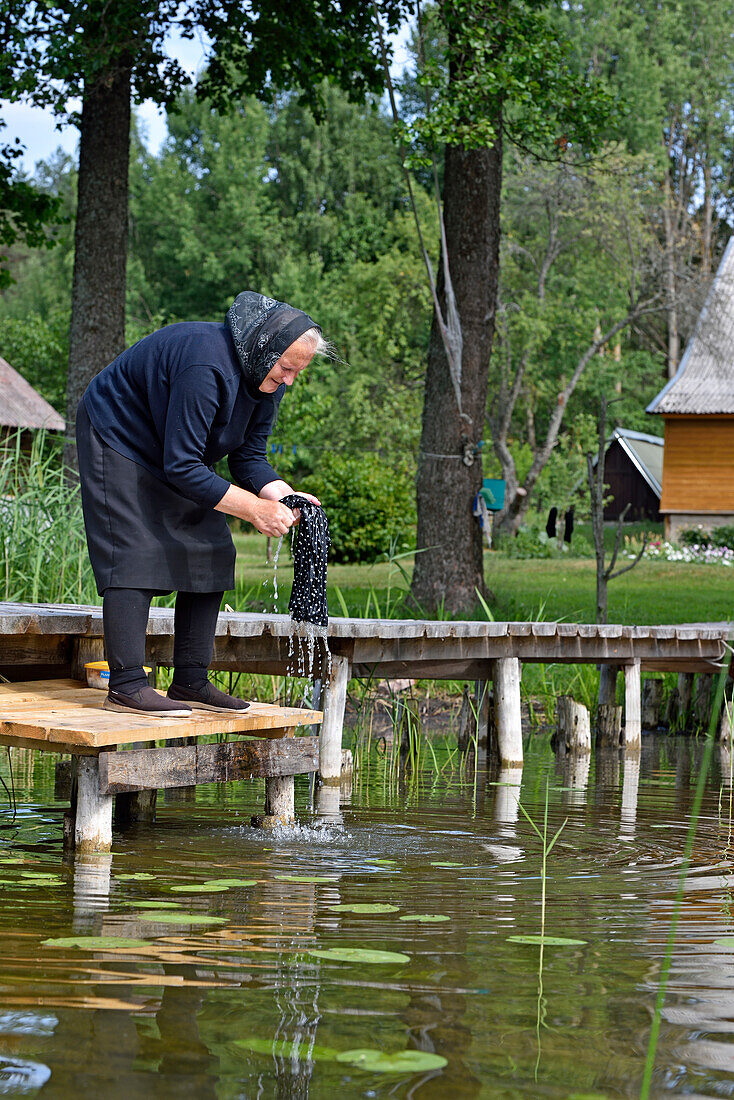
(37, 128)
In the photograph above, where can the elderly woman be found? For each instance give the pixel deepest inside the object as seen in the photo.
(150, 427)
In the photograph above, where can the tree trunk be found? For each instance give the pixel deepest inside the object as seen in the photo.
(671, 305)
(449, 570)
(97, 332)
(706, 231)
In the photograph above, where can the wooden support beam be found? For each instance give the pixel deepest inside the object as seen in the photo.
(135, 808)
(85, 649)
(93, 823)
(632, 705)
(508, 710)
(330, 742)
(150, 769)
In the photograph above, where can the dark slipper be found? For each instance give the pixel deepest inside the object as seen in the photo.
(208, 697)
(145, 701)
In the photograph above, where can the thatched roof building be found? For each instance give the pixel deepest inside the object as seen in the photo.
(698, 407)
(23, 407)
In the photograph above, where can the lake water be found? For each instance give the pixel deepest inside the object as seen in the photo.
(250, 1006)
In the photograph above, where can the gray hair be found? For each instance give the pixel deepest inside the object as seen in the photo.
(319, 344)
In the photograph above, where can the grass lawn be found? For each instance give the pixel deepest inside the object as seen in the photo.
(653, 592)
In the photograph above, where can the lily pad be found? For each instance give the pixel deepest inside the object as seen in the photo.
(307, 878)
(425, 918)
(11, 859)
(134, 904)
(364, 907)
(401, 1061)
(138, 876)
(725, 941)
(32, 878)
(382, 862)
(202, 888)
(165, 916)
(444, 863)
(551, 941)
(288, 1048)
(95, 943)
(227, 882)
(359, 955)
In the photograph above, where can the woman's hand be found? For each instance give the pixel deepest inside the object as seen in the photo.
(308, 496)
(272, 518)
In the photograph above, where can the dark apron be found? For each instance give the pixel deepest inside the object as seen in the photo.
(141, 532)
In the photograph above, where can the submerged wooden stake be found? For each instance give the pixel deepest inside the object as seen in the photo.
(574, 727)
(280, 804)
(608, 725)
(652, 701)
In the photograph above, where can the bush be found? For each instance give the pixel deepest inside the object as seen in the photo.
(531, 542)
(720, 536)
(371, 507)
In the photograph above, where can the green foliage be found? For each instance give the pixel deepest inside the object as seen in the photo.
(370, 507)
(38, 347)
(719, 536)
(501, 66)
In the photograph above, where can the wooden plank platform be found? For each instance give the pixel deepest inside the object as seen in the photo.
(48, 636)
(64, 716)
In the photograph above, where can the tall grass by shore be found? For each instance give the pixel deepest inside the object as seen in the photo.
(43, 553)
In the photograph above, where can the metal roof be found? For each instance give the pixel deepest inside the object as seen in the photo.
(704, 382)
(644, 451)
(646, 454)
(23, 407)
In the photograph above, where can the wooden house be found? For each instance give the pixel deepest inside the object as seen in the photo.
(698, 408)
(633, 470)
(22, 408)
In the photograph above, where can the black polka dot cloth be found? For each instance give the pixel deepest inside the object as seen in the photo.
(310, 546)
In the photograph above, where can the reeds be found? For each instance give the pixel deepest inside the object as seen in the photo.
(43, 553)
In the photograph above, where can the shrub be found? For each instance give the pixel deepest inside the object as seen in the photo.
(371, 506)
(720, 536)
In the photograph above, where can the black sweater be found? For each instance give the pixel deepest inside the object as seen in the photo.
(177, 402)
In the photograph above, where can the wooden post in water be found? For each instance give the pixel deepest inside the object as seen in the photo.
(330, 740)
(93, 823)
(652, 702)
(508, 710)
(608, 725)
(685, 699)
(608, 685)
(632, 705)
(573, 726)
(280, 804)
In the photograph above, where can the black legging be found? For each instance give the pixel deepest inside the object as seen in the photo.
(125, 614)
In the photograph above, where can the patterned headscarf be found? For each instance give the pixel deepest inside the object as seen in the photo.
(262, 328)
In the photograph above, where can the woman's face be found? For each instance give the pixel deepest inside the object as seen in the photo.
(290, 364)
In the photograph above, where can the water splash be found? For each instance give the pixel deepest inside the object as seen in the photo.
(275, 573)
(308, 651)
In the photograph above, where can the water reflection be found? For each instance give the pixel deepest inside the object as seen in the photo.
(91, 889)
(243, 1009)
(630, 790)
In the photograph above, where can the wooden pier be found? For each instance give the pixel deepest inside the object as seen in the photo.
(64, 716)
(46, 640)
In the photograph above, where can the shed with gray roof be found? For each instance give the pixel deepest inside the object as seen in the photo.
(698, 408)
